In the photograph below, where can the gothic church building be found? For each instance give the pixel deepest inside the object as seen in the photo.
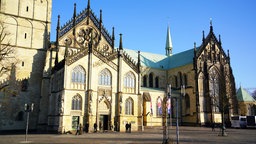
(85, 79)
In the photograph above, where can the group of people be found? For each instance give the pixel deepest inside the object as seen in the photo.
(80, 129)
(128, 127)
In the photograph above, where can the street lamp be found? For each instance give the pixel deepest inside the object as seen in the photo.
(182, 93)
(28, 109)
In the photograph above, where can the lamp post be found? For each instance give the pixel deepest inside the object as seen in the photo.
(182, 93)
(28, 109)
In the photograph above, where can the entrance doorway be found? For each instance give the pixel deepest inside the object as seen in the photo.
(103, 122)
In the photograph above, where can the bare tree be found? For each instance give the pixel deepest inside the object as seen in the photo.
(7, 58)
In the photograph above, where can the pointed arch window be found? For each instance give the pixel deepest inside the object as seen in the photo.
(151, 76)
(78, 75)
(105, 77)
(129, 82)
(185, 80)
(180, 82)
(77, 102)
(214, 89)
(157, 82)
(129, 106)
(145, 81)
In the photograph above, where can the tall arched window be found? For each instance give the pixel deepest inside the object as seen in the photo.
(129, 82)
(185, 80)
(105, 77)
(214, 89)
(180, 82)
(129, 106)
(157, 82)
(145, 81)
(78, 75)
(77, 102)
(151, 80)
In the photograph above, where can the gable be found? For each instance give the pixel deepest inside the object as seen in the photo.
(76, 35)
(211, 49)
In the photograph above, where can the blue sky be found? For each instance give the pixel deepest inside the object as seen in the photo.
(143, 24)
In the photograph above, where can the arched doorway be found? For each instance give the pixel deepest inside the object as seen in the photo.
(104, 121)
(146, 112)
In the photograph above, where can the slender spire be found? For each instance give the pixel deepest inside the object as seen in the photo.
(203, 39)
(100, 24)
(168, 46)
(138, 61)
(121, 43)
(88, 12)
(220, 39)
(57, 41)
(74, 19)
(88, 5)
(57, 31)
(113, 37)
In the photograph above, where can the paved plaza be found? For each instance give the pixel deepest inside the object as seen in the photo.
(193, 135)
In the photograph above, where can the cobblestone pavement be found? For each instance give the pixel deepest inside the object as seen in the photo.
(187, 135)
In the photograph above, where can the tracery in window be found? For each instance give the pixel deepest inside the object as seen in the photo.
(214, 89)
(105, 77)
(78, 75)
(77, 102)
(129, 82)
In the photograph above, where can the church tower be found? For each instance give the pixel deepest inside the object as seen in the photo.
(27, 25)
(168, 46)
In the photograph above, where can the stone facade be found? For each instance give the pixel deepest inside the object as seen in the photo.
(81, 78)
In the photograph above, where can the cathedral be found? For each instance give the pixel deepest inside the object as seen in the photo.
(83, 78)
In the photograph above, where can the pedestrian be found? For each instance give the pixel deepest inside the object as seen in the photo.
(77, 129)
(130, 127)
(95, 127)
(80, 129)
(213, 126)
(86, 127)
(101, 126)
(126, 127)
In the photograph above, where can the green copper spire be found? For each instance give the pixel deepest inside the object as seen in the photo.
(168, 47)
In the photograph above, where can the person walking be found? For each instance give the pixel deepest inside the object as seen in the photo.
(126, 127)
(213, 126)
(78, 129)
(95, 127)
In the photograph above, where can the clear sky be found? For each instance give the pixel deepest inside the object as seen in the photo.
(143, 24)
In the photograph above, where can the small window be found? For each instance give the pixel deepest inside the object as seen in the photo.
(27, 9)
(25, 36)
(22, 63)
